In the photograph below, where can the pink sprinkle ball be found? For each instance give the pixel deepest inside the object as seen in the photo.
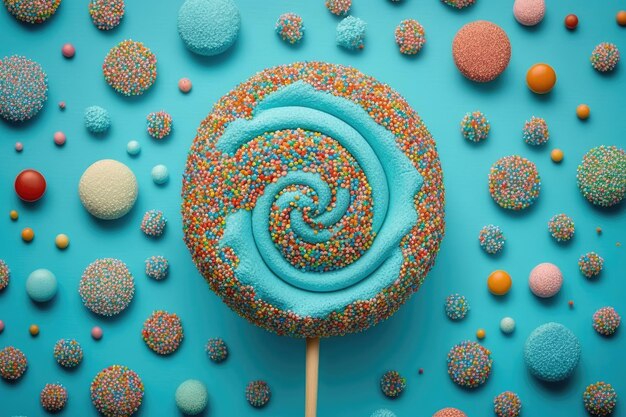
(96, 333)
(62, 105)
(68, 50)
(529, 12)
(19, 146)
(59, 138)
(184, 85)
(545, 280)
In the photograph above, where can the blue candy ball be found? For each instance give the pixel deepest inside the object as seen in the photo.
(160, 174)
(552, 352)
(208, 27)
(97, 119)
(41, 285)
(383, 412)
(133, 148)
(191, 397)
(351, 33)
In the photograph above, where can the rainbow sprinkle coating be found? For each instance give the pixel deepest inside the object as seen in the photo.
(456, 306)
(602, 175)
(339, 7)
(606, 321)
(153, 223)
(535, 131)
(163, 332)
(216, 184)
(159, 124)
(68, 353)
(5, 275)
(53, 397)
(392, 384)
(600, 399)
(491, 239)
(410, 36)
(290, 28)
(106, 14)
(23, 88)
(13, 363)
(157, 267)
(469, 364)
(561, 227)
(475, 127)
(32, 11)
(605, 57)
(130, 68)
(590, 264)
(514, 182)
(459, 4)
(107, 287)
(217, 350)
(351, 33)
(117, 391)
(507, 404)
(258, 393)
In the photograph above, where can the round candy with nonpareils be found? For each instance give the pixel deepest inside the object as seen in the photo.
(23, 88)
(552, 352)
(481, 51)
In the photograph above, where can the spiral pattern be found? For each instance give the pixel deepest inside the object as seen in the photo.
(313, 200)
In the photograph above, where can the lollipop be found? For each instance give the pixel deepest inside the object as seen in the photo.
(287, 209)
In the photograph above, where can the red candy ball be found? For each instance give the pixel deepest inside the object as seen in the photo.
(571, 21)
(30, 185)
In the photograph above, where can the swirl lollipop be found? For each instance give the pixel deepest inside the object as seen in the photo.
(313, 202)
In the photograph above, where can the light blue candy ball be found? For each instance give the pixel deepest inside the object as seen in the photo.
(383, 412)
(41, 285)
(133, 147)
(351, 33)
(552, 352)
(192, 397)
(507, 325)
(160, 174)
(97, 119)
(208, 27)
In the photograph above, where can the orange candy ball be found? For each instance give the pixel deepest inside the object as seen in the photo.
(621, 18)
(556, 155)
(571, 21)
(499, 282)
(28, 234)
(583, 111)
(62, 241)
(33, 330)
(541, 78)
(13, 215)
(480, 334)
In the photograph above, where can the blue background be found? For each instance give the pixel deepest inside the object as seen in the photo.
(419, 335)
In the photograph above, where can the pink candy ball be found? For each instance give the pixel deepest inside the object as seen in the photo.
(184, 84)
(529, 12)
(96, 333)
(545, 280)
(59, 138)
(1, 326)
(68, 50)
(19, 147)
(62, 105)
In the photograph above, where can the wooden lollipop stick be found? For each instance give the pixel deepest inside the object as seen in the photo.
(312, 365)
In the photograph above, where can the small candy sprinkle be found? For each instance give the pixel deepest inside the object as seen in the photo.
(507, 404)
(514, 182)
(13, 363)
(556, 155)
(133, 148)
(107, 287)
(583, 111)
(561, 227)
(217, 350)
(53, 398)
(68, 353)
(184, 85)
(590, 264)
(570, 303)
(5, 275)
(481, 334)
(600, 399)
(157, 267)
(59, 138)
(163, 332)
(351, 33)
(602, 175)
(68, 50)
(606, 321)
(456, 306)
(28, 234)
(536, 131)
(33, 329)
(410, 36)
(339, 7)
(392, 384)
(507, 325)
(14, 215)
(19, 146)
(469, 364)
(117, 391)
(130, 68)
(106, 14)
(32, 11)
(1, 326)
(420, 371)
(605, 57)
(459, 4)
(258, 393)
(153, 223)
(97, 119)
(491, 239)
(62, 105)
(290, 28)
(23, 87)
(475, 127)
(96, 333)
(159, 124)
(160, 174)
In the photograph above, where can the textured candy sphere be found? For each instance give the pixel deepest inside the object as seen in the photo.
(339, 7)
(507, 325)
(160, 174)
(153, 223)
(552, 352)
(606, 321)
(258, 393)
(351, 33)
(157, 267)
(514, 182)
(117, 391)
(410, 36)
(163, 332)
(23, 88)
(108, 189)
(450, 412)
(290, 28)
(392, 384)
(68, 50)
(541, 78)
(30, 185)
(291, 175)
(106, 14)
(208, 27)
(383, 412)
(13, 363)
(561, 227)
(32, 11)
(605, 57)
(107, 287)
(590, 264)
(600, 399)
(529, 12)
(545, 280)
(456, 306)
(97, 119)
(217, 350)
(459, 4)
(41, 285)
(481, 51)
(499, 282)
(535, 131)
(159, 124)
(5, 275)
(469, 364)
(53, 398)
(491, 239)
(68, 353)
(130, 68)
(191, 397)
(133, 148)
(507, 404)
(475, 127)
(602, 175)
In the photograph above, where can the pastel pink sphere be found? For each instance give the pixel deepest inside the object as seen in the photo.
(19, 147)
(529, 12)
(96, 333)
(59, 138)
(68, 50)
(1, 326)
(184, 84)
(61, 105)
(545, 280)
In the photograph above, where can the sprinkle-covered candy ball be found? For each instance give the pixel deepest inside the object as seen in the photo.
(392, 384)
(450, 412)
(600, 399)
(130, 68)
(606, 321)
(217, 350)
(153, 223)
(410, 36)
(351, 33)
(459, 4)
(491, 239)
(163, 332)
(561, 227)
(590, 264)
(602, 175)
(514, 182)
(507, 404)
(536, 131)
(106, 14)
(5, 275)
(117, 391)
(469, 364)
(339, 7)
(32, 11)
(605, 57)
(53, 398)
(159, 124)
(13, 363)
(68, 353)
(475, 126)
(157, 267)
(23, 88)
(456, 306)
(107, 287)
(481, 51)
(258, 393)
(290, 28)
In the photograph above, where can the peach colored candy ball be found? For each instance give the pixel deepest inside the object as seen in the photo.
(583, 111)
(556, 155)
(19, 146)
(59, 138)
(33, 330)
(545, 280)
(621, 18)
(1, 326)
(96, 333)
(184, 84)
(14, 215)
(450, 412)
(68, 50)
(62, 241)
(28, 234)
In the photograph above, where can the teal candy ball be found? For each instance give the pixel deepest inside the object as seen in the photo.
(552, 352)
(383, 412)
(97, 119)
(351, 33)
(41, 285)
(191, 397)
(208, 27)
